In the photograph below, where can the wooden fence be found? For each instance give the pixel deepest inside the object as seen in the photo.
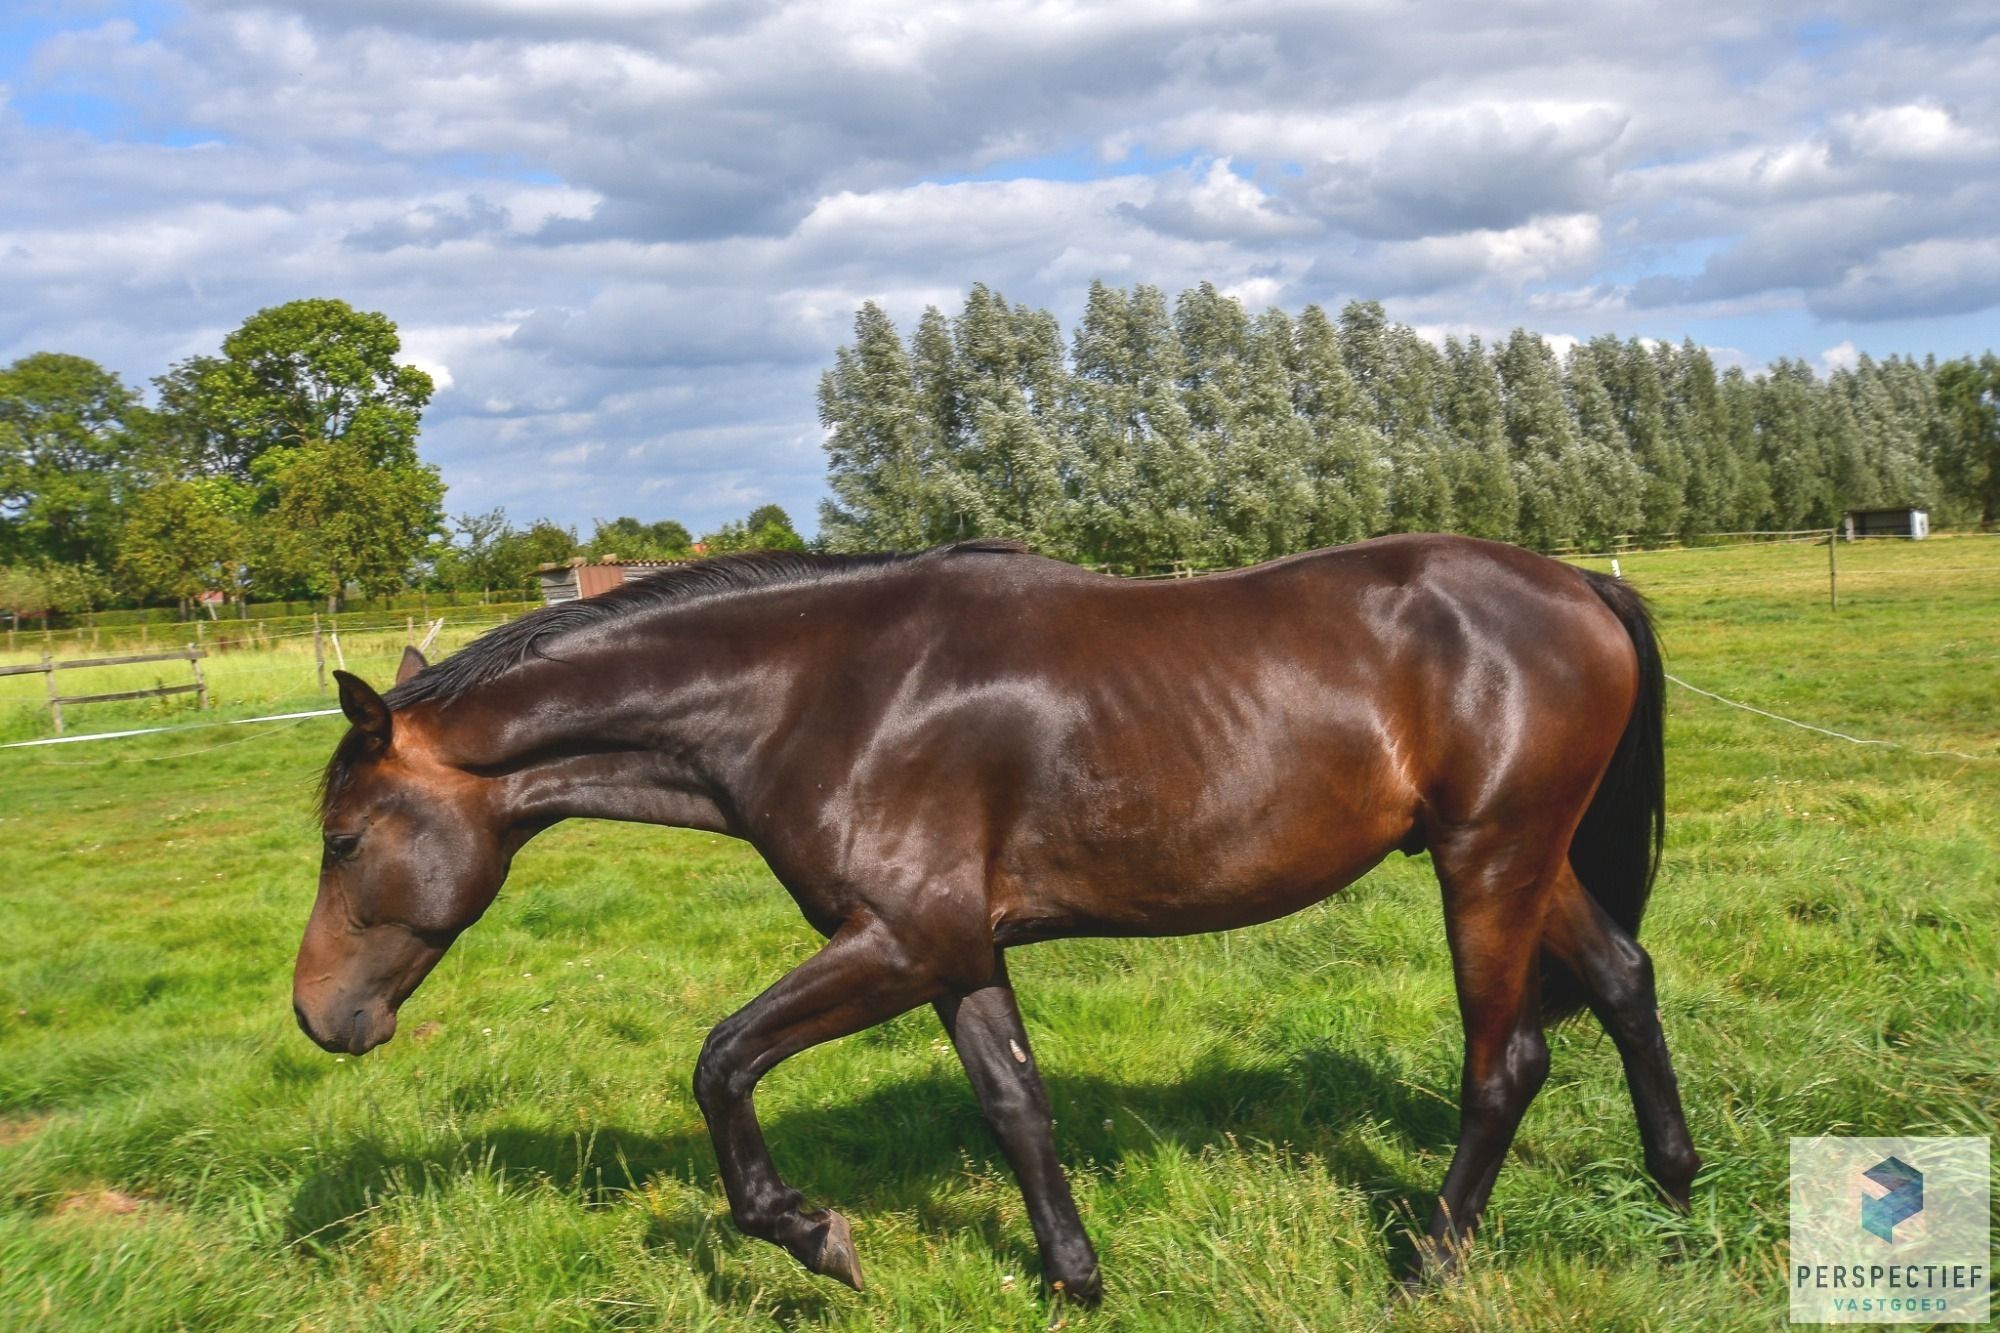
(48, 666)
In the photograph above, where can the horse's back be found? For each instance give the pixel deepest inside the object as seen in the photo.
(1195, 753)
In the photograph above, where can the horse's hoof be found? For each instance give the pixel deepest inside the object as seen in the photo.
(836, 1257)
(1087, 1290)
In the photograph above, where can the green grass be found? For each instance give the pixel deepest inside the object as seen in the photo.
(1250, 1120)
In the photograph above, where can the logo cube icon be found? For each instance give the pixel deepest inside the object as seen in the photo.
(1903, 1197)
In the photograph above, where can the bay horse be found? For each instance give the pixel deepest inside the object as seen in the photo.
(948, 754)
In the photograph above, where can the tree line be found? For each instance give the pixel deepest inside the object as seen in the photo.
(284, 467)
(1200, 434)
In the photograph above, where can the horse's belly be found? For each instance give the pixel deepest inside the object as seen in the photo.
(1185, 872)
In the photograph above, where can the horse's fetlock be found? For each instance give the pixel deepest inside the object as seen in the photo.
(1675, 1168)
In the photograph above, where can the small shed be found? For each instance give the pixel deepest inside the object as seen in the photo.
(587, 578)
(1902, 521)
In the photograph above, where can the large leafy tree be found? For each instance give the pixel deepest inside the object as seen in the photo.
(486, 553)
(1791, 440)
(769, 528)
(540, 543)
(68, 455)
(1217, 362)
(876, 447)
(1007, 468)
(183, 538)
(1609, 504)
(1485, 500)
(341, 518)
(1344, 461)
(1549, 467)
(293, 376)
(1696, 417)
(1967, 435)
(37, 588)
(631, 539)
(1139, 479)
(309, 406)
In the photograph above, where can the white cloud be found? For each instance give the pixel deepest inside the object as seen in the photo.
(1843, 355)
(637, 229)
(1912, 132)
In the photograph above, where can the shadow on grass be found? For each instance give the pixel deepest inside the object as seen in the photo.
(889, 1149)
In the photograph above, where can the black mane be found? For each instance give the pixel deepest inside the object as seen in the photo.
(500, 650)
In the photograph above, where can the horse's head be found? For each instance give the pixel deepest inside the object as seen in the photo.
(414, 852)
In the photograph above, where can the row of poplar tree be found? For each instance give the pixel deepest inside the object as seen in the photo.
(1201, 434)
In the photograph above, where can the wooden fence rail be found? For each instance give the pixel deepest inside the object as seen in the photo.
(48, 667)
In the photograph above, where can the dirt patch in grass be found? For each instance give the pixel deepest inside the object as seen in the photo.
(103, 1203)
(13, 1131)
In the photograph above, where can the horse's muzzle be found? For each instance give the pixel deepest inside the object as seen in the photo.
(364, 1030)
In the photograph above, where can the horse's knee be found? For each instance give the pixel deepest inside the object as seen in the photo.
(718, 1078)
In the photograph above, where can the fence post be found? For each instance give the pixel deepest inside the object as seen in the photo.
(319, 654)
(1833, 569)
(200, 682)
(55, 695)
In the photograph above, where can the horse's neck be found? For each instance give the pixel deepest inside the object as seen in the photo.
(662, 747)
(637, 786)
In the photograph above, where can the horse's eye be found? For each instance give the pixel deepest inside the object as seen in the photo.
(342, 845)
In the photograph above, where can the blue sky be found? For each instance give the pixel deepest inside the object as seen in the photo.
(626, 236)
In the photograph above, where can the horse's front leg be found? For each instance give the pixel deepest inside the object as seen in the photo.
(985, 1026)
(861, 977)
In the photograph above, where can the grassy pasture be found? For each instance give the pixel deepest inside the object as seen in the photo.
(1251, 1120)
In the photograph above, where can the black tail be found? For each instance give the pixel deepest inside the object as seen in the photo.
(1616, 851)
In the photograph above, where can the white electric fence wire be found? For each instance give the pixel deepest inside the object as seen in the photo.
(1825, 731)
(154, 731)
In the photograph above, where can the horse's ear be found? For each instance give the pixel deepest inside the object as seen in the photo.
(364, 707)
(412, 663)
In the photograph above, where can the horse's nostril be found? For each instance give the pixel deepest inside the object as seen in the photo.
(299, 1012)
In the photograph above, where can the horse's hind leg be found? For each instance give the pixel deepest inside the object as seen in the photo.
(1493, 909)
(985, 1026)
(861, 977)
(1617, 976)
